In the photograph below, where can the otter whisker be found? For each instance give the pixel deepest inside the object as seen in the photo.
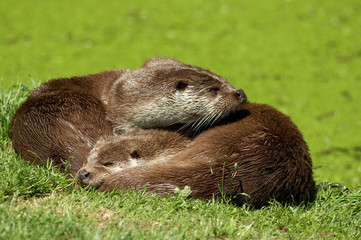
(190, 126)
(213, 119)
(199, 123)
(203, 123)
(206, 120)
(217, 118)
(195, 123)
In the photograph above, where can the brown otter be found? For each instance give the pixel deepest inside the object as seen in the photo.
(258, 152)
(133, 148)
(64, 118)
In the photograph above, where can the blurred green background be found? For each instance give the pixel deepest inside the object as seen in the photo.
(303, 57)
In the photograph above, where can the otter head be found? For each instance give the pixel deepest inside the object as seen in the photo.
(106, 157)
(134, 148)
(165, 91)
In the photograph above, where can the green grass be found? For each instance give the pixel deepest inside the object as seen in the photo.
(40, 203)
(91, 215)
(303, 57)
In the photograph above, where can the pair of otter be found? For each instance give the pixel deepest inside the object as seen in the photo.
(64, 118)
(254, 149)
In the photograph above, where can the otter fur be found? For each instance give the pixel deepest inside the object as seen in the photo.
(134, 148)
(255, 155)
(63, 119)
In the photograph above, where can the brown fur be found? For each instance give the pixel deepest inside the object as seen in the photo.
(166, 92)
(271, 155)
(134, 148)
(64, 118)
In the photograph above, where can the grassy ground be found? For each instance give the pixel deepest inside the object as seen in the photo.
(40, 203)
(303, 57)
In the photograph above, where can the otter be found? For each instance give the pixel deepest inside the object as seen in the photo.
(134, 148)
(63, 119)
(254, 155)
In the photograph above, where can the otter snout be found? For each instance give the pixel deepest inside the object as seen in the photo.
(84, 176)
(241, 95)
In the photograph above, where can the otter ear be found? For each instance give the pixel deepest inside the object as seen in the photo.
(157, 61)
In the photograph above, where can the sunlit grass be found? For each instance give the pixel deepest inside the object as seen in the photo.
(37, 202)
(302, 57)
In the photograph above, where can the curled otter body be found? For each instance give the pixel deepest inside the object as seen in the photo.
(134, 148)
(257, 151)
(63, 119)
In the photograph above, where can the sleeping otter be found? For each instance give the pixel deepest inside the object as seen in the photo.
(63, 119)
(134, 148)
(256, 152)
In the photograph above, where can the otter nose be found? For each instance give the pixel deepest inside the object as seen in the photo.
(240, 94)
(83, 174)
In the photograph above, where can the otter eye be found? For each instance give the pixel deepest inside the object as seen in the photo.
(135, 154)
(213, 89)
(181, 85)
(108, 164)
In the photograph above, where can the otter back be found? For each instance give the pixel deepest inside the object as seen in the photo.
(61, 119)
